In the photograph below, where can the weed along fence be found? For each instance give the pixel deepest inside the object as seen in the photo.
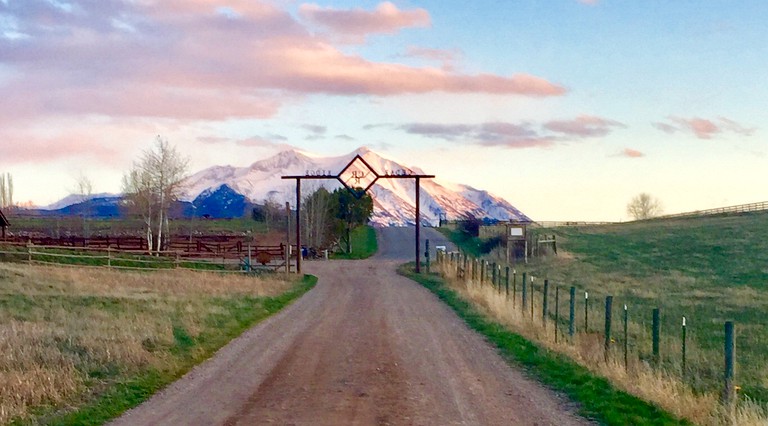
(601, 332)
(252, 259)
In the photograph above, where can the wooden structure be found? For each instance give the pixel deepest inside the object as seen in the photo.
(3, 223)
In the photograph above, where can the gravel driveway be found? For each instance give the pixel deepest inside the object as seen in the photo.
(364, 347)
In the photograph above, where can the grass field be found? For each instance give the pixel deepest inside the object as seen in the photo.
(363, 244)
(708, 269)
(81, 346)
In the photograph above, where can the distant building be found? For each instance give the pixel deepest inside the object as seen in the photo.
(3, 223)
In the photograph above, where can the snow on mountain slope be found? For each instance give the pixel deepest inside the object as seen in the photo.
(394, 199)
(75, 199)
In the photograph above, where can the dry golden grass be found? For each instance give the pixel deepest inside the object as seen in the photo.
(62, 329)
(638, 378)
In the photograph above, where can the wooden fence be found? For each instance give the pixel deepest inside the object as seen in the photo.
(741, 208)
(246, 258)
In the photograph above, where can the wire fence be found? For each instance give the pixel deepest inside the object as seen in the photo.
(605, 328)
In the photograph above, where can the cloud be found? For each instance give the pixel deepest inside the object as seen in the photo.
(193, 60)
(385, 19)
(438, 55)
(583, 126)
(268, 141)
(512, 135)
(703, 128)
(315, 129)
(36, 149)
(589, 2)
(447, 58)
(631, 153)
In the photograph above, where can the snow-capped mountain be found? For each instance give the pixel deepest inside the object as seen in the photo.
(394, 199)
(76, 199)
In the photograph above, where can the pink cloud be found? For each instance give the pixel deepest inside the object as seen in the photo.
(438, 55)
(385, 19)
(208, 60)
(24, 148)
(631, 153)
(703, 128)
(583, 126)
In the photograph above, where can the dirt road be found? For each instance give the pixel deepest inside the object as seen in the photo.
(364, 347)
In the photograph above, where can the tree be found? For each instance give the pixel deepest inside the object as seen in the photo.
(154, 182)
(644, 206)
(139, 198)
(317, 218)
(470, 225)
(6, 190)
(84, 188)
(350, 212)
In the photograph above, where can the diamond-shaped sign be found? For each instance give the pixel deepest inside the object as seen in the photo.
(358, 176)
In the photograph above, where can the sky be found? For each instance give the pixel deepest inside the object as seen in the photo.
(566, 108)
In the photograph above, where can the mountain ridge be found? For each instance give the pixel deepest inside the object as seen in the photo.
(223, 191)
(394, 199)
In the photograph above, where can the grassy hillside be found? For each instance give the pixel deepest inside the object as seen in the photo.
(708, 269)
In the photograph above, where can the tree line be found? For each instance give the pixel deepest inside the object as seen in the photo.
(327, 217)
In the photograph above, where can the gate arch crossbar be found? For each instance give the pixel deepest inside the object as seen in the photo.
(357, 174)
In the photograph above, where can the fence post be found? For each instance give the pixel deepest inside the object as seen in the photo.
(682, 369)
(626, 338)
(544, 304)
(514, 286)
(586, 312)
(533, 296)
(572, 314)
(557, 309)
(493, 279)
(426, 254)
(29, 253)
(506, 281)
(482, 272)
(608, 318)
(498, 278)
(730, 361)
(656, 332)
(525, 291)
(109, 257)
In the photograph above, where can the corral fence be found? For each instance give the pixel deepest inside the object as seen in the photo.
(741, 208)
(570, 316)
(211, 257)
(561, 223)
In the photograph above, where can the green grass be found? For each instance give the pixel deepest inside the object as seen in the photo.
(472, 246)
(363, 243)
(597, 398)
(708, 269)
(228, 317)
